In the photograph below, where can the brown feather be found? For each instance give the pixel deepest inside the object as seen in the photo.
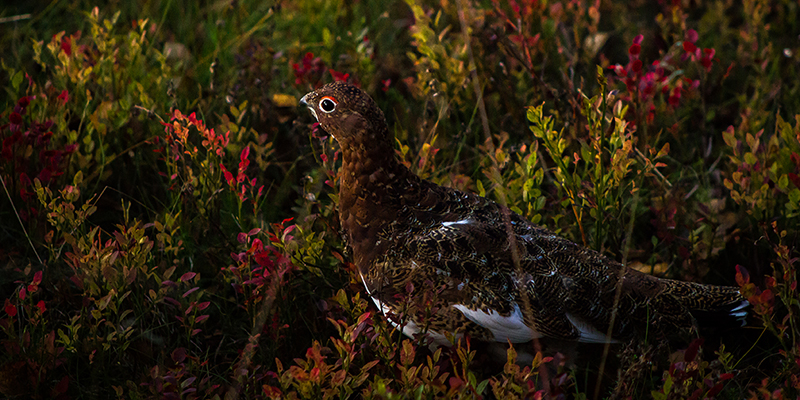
(488, 265)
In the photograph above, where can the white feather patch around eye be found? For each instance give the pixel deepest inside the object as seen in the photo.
(314, 113)
(509, 328)
(589, 334)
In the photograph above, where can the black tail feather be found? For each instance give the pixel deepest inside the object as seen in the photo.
(733, 315)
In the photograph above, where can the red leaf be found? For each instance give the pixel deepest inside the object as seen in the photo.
(271, 391)
(338, 76)
(192, 118)
(37, 278)
(66, 45)
(179, 354)
(637, 65)
(767, 297)
(62, 385)
(63, 97)
(691, 35)
(10, 309)
(691, 352)
(795, 159)
(769, 282)
(190, 291)
(263, 259)
(794, 178)
(696, 394)
(714, 390)
(227, 174)
(456, 383)
(742, 276)
(187, 276)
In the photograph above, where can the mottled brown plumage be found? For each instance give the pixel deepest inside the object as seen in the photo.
(500, 277)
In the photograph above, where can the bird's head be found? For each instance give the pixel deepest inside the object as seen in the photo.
(347, 113)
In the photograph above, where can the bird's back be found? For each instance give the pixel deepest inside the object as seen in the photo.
(493, 266)
(447, 261)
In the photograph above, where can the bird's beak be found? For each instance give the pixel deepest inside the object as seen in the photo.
(304, 101)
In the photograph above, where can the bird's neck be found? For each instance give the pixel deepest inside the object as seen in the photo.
(374, 186)
(365, 158)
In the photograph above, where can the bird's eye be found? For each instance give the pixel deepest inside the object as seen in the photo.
(327, 104)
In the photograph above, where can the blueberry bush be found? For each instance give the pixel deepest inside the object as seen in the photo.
(168, 216)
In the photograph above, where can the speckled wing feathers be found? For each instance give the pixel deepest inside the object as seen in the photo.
(496, 276)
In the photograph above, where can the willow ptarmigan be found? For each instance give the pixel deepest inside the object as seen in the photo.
(499, 277)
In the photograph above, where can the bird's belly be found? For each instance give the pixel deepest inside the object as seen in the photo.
(410, 328)
(504, 328)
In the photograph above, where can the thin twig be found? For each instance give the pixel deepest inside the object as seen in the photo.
(15, 18)
(515, 254)
(476, 85)
(22, 225)
(617, 295)
(639, 153)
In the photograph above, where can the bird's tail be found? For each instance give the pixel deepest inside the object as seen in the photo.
(711, 306)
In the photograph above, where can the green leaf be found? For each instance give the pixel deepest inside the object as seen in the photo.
(658, 395)
(482, 386)
(540, 203)
(783, 182)
(78, 179)
(64, 338)
(794, 196)
(668, 384)
(750, 158)
(601, 76)
(327, 38)
(16, 80)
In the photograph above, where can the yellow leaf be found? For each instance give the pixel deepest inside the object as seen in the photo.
(284, 100)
